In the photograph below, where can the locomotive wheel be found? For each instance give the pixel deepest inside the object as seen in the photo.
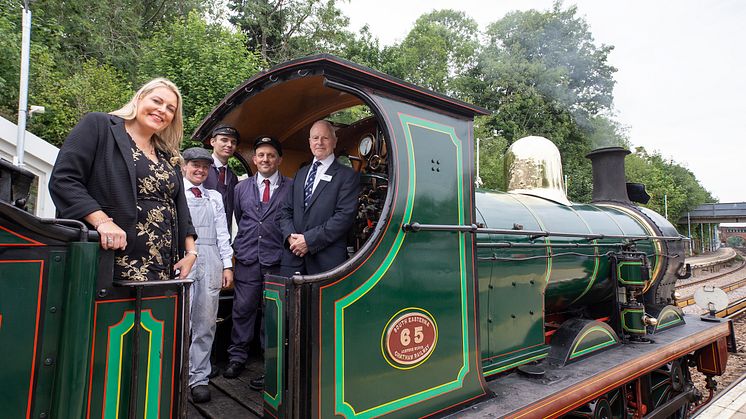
(668, 381)
(678, 380)
(597, 409)
(611, 405)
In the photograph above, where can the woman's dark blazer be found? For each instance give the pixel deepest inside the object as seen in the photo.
(95, 171)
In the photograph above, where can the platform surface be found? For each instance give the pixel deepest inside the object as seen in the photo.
(720, 255)
(731, 404)
(519, 396)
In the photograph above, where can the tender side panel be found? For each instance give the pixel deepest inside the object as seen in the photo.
(111, 355)
(275, 354)
(21, 282)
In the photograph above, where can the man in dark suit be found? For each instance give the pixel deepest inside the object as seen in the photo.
(224, 140)
(320, 210)
(258, 246)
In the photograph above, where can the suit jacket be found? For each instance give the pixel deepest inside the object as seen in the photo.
(259, 238)
(95, 171)
(231, 181)
(324, 223)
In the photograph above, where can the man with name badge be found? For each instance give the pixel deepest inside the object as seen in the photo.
(320, 210)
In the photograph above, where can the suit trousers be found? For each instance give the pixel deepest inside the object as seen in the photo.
(248, 287)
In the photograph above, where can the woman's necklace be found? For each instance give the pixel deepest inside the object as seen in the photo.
(149, 151)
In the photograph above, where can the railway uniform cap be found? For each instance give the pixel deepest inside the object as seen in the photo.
(226, 130)
(196, 153)
(260, 141)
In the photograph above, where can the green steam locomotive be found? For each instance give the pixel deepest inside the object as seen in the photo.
(454, 300)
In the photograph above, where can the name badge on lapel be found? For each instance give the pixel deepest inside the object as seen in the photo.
(326, 178)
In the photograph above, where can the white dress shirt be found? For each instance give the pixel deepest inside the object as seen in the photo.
(273, 183)
(320, 171)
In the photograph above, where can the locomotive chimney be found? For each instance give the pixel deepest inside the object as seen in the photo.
(609, 182)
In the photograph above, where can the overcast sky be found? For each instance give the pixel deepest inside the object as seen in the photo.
(681, 64)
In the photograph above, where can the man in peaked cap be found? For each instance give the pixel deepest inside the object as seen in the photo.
(224, 139)
(213, 269)
(258, 246)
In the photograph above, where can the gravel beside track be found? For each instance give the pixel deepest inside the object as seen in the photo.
(736, 366)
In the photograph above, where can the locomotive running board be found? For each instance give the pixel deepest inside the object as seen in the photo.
(566, 388)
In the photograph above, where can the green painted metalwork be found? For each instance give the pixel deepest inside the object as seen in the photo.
(591, 340)
(516, 287)
(528, 284)
(72, 380)
(111, 350)
(343, 405)
(632, 320)
(20, 311)
(516, 359)
(116, 364)
(274, 353)
(52, 313)
(429, 270)
(668, 317)
(630, 273)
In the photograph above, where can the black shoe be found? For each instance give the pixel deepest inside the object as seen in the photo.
(233, 369)
(200, 394)
(214, 371)
(257, 383)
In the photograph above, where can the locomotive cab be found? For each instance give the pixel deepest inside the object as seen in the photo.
(405, 300)
(285, 109)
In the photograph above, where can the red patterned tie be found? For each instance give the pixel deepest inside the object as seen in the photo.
(195, 190)
(265, 195)
(221, 175)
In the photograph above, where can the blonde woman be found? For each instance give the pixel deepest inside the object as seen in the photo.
(119, 173)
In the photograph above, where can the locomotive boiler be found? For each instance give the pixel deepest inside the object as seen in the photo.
(454, 299)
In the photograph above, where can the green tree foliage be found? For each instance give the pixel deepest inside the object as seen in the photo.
(108, 31)
(544, 75)
(438, 51)
(66, 96)
(207, 61)
(735, 241)
(10, 57)
(280, 30)
(666, 179)
(557, 53)
(95, 88)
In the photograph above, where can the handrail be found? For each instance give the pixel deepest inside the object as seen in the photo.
(532, 234)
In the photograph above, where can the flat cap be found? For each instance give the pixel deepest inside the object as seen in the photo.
(226, 130)
(196, 153)
(260, 141)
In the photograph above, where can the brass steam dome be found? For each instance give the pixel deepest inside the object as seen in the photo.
(535, 168)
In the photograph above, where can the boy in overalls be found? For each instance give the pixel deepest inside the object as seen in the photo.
(213, 269)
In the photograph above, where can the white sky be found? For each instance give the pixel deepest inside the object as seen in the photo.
(681, 79)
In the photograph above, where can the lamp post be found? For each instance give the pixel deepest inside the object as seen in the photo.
(23, 85)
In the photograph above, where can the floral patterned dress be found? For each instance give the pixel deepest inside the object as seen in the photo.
(154, 248)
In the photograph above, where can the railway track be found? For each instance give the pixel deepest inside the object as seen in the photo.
(692, 284)
(729, 286)
(734, 310)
